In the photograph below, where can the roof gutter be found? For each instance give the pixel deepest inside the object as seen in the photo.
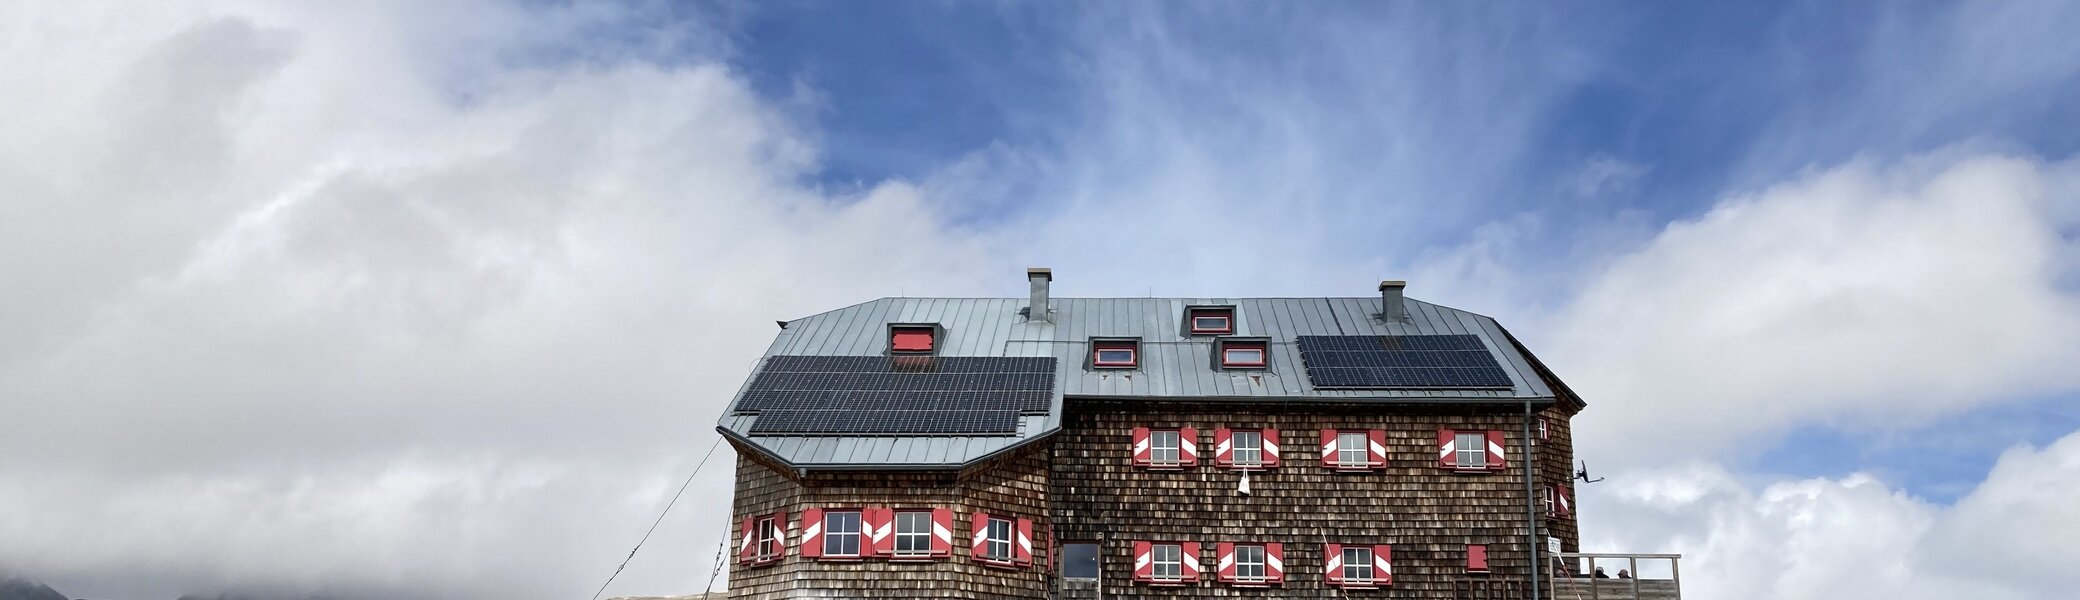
(747, 441)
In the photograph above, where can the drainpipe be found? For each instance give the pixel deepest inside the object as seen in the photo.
(1531, 501)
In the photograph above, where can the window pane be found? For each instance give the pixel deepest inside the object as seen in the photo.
(1116, 356)
(1472, 449)
(1080, 561)
(841, 533)
(1357, 564)
(1244, 356)
(999, 546)
(1210, 323)
(1168, 563)
(1249, 562)
(1246, 448)
(1163, 447)
(913, 532)
(1351, 449)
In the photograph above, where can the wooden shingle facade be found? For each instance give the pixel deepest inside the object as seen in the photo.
(1147, 464)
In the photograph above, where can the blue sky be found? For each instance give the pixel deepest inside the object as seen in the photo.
(1681, 101)
(459, 287)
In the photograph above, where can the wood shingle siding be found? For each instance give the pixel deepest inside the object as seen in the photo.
(1014, 486)
(1428, 515)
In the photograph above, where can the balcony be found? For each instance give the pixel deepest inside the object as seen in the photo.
(1645, 576)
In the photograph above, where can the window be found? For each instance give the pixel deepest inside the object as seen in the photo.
(1249, 563)
(998, 546)
(1113, 354)
(1079, 561)
(1351, 451)
(1239, 354)
(914, 533)
(1169, 562)
(768, 538)
(910, 339)
(841, 533)
(1163, 448)
(1357, 565)
(1212, 320)
(1247, 448)
(1549, 502)
(1472, 449)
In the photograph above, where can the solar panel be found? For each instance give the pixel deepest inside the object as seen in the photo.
(886, 422)
(897, 395)
(1401, 361)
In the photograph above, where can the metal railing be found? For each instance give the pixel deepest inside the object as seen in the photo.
(1574, 576)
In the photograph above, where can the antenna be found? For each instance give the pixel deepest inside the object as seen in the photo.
(1583, 474)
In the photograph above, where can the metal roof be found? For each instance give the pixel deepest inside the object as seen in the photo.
(1173, 363)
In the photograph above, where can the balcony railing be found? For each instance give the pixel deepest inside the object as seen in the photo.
(1625, 576)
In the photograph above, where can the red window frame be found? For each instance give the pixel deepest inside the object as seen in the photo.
(902, 338)
(1263, 353)
(1225, 313)
(1132, 347)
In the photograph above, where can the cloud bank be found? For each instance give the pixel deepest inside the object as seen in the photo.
(383, 300)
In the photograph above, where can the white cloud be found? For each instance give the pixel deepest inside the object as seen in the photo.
(326, 299)
(1853, 537)
(1886, 295)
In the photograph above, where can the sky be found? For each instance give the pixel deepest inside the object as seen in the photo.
(402, 300)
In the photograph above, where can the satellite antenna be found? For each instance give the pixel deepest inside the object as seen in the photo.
(1583, 474)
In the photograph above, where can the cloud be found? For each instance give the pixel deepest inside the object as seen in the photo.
(1604, 174)
(1852, 537)
(316, 305)
(1878, 295)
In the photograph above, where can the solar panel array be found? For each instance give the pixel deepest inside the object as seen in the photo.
(897, 395)
(1401, 362)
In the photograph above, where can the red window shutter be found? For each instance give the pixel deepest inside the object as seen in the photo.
(1270, 452)
(1144, 562)
(1329, 448)
(1223, 447)
(779, 535)
(1566, 505)
(1377, 458)
(1224, 565)
(1188, 446)
(1477, 558)
(747, 549)
(812, 533)
(1190, 550)
(942, 532)
(1496, 456)
(1445, 438)
(1383, 564)
(978, 526)
(1274, 562)
(880, 525)
(1142, 454)
(913, 340)
(1332, 563)
(1022, 551)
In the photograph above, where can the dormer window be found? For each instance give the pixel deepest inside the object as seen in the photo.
(1211, 320)
(1244, 354)
(1115, 354)
(912, 339)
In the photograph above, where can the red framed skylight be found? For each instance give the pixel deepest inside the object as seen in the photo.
(1244, 354)
(1210, 320)
(1115, 354)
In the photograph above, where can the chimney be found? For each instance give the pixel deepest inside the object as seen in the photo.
(1391, 309)
(1039, 278)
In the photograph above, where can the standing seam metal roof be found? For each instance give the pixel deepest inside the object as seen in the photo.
(1173, 363)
